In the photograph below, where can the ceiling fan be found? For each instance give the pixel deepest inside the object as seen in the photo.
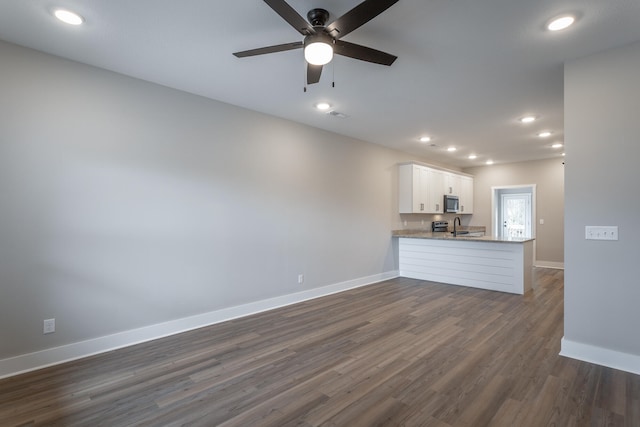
(322, 41)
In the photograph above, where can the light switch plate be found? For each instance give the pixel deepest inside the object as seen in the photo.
(600, 232)
(49, 326)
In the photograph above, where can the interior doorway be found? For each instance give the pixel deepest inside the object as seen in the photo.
(514, 212)
(515, 215)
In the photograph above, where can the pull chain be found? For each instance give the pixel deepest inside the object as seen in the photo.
(333, 72)
(304, 74)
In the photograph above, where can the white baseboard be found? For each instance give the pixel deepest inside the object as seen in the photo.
(54, 356)
(549, 264)
(600, 356)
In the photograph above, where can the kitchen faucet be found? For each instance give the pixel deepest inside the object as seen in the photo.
(455, 232)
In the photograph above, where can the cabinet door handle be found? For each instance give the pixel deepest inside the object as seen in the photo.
(421, 206)
(437, 207)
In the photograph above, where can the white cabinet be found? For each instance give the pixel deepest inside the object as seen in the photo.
(413, 188)
(452, 183)
(422, 189)
(466, 195)
(435, 196)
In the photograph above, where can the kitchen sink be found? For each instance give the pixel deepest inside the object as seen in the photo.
(467, 233)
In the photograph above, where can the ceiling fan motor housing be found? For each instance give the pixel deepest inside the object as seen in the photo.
(318, 17)
(319, 37)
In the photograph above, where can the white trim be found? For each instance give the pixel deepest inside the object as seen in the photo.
(600, 356)
(549, 264)
(534, 214)
(66, 353)
(525, 187)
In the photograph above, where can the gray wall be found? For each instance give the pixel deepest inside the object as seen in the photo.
(126, 204)
(548, 176)
(602, 135)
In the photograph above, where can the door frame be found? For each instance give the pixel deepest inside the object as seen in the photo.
(500, 220)
(495, 200)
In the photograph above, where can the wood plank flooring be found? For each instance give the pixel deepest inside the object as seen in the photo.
(399, 353)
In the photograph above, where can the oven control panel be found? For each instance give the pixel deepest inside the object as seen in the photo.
(442, 226)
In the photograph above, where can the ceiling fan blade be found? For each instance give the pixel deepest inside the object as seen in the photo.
(289, 14)
(313, 73)
(359, 15)
(363, 53)
(269, 49)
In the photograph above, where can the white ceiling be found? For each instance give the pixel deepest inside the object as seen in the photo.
(466, 69)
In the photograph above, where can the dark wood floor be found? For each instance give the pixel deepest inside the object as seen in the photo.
(398, 353)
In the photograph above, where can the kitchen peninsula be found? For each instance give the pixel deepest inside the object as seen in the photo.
(487, 262)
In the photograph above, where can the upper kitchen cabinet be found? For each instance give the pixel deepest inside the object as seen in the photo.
(466, 195)
(422, 189)
(452, 183)
(435, 197)
(413, 189)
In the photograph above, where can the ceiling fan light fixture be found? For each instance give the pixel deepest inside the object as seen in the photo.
(318, 49)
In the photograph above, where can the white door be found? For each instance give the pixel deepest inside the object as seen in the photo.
(515, 215)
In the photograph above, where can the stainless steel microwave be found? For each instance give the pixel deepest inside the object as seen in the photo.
(451, 203)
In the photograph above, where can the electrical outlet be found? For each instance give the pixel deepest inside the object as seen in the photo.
(593, 232)
(49, 326)
(300, 279)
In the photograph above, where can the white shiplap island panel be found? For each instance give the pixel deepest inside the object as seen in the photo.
(498, 266)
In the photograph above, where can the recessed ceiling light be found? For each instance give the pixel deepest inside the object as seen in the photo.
(323, 106)
(472, 156)
(556, 145)
(527, 119)
(489, 162)
(68, 17)
(561, 22)
(451, 149)
(544, 134)
(425, 139)
(563, 154)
